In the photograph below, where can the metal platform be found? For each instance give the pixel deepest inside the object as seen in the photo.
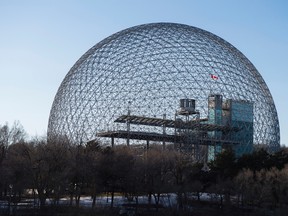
(195, 124)
(136, 135)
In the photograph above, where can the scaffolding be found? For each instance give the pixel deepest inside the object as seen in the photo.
(190, 132)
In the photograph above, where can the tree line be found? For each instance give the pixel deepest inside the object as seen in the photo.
(57, 169)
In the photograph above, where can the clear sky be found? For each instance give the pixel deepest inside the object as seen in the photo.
(40, 40)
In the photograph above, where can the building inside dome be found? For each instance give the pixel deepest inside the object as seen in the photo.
(166, 83)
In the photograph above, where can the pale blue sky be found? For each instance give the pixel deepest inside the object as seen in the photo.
(40, 40)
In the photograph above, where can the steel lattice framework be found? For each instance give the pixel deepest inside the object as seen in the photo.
(146, 69)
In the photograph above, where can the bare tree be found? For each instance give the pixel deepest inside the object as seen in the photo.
(12, 135)
(17, 168)
(49, 168)
(8, 136)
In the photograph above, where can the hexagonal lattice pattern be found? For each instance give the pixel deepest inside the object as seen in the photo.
(147, 69)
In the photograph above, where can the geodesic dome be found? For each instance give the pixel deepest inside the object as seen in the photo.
(146, 69)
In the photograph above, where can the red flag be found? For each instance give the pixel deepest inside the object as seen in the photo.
(214, 77)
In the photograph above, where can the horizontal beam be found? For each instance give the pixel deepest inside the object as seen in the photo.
(195, 124)
(136, 135)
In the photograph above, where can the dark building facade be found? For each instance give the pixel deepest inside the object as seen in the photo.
(234, 114)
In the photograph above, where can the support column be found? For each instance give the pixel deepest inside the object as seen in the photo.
(164, 131)
(128, 129)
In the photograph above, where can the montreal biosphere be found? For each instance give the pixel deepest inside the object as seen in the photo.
(136, 81)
